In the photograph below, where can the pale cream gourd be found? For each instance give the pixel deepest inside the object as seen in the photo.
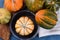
(24, 26)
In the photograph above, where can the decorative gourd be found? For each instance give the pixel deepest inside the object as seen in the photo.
(46, 18)
(5, 16)
(24, 26)
(34, 5)
(53, 5)
(4, 32)
(13, 5)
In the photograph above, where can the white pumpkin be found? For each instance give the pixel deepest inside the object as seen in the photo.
(24, 26)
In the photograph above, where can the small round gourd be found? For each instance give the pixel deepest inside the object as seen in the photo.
(24, 26)
(5, 16)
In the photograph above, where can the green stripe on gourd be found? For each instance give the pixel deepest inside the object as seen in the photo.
(34, 5)
(46, 18)
(45, 25)
(51, 15)
(48, 21)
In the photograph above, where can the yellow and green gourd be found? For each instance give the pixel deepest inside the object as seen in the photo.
(5, 16)
(34, 5)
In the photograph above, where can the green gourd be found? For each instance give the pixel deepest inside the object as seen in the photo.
(34, 5)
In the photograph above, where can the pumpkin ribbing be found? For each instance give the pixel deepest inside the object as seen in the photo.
(13, 5)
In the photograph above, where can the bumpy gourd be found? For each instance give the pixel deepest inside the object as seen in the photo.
(46, 18)
(5, 16)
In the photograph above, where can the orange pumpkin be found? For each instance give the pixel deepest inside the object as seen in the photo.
(13, 5)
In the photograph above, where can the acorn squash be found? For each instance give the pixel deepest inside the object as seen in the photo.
(46, 19)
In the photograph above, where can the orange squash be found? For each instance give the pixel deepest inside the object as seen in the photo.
(13, 5)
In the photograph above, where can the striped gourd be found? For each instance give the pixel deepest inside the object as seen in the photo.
(34, 5)
(46, 18)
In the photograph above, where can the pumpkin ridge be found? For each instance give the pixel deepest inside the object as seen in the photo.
(20, 31)
(20, 21)
(47, 21)
(17, 27)
(45, 25)
(51, 20)
(52, 17)
(50, 14)
(27, 21)
(28, 28)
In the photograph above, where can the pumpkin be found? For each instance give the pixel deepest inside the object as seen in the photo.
(34, 5)
(13, 5)
(5, 16)
(24, 26)
(46, 19)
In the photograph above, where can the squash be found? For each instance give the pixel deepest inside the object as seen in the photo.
(4, 32)
(53, 5)
(24, 26)
(13, 5)
(46, 19)
(5, 16)
(34, 5)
